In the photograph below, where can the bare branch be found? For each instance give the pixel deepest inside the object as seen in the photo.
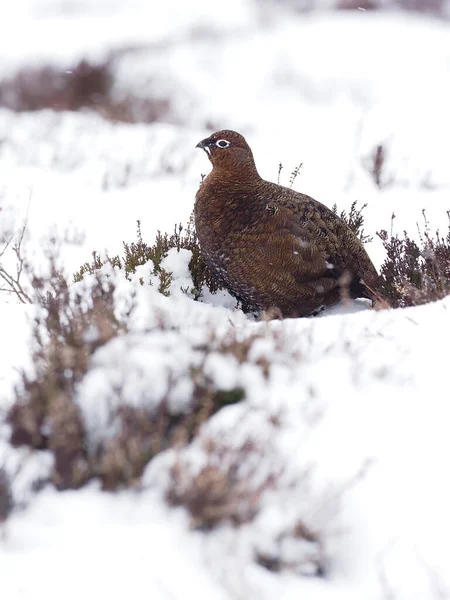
(13, 283)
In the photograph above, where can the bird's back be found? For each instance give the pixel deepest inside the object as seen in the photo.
(325, 229)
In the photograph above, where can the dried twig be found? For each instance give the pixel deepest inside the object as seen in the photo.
(12, 283)
(294, 174)
(280, 167)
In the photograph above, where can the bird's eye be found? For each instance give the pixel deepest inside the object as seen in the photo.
(222, 143)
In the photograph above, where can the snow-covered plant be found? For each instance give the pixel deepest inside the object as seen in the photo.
(227, 488)
(140, 253)
(89, 400)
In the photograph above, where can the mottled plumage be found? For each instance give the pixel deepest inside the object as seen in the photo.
(270, 246)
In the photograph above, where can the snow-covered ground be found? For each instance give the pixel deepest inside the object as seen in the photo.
(355, 408)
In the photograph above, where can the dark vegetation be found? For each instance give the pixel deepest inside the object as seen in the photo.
(85, 85)
(33, 88)
(416, 273)
(413, 272)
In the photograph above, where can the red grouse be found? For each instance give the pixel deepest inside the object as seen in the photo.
(274, 249)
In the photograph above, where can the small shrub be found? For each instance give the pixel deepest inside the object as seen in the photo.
(227, 489)
(227, 484)
(85, 85)
(67, 332)
(415, 273)
(355, 220)
(139, 253)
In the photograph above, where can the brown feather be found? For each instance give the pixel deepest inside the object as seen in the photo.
(270, 246)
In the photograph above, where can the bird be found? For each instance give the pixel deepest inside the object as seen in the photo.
(277, 251)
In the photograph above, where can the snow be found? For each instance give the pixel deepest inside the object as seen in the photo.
(130, 529)
(353, 414)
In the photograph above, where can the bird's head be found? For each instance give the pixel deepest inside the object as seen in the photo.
(228, 151)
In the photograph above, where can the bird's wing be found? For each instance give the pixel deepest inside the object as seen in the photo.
(298, 243)
(331, 235)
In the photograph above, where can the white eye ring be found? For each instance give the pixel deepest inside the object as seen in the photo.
(223, 143)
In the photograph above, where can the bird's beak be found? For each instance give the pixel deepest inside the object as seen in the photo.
(204, 145)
